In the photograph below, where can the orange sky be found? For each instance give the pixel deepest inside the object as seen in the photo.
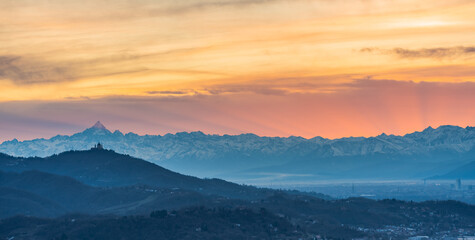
(271, 67)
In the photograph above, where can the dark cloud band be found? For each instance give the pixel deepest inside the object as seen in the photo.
(424, 52)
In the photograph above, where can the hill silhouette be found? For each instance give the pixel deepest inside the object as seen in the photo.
(106, 168)
(48, 195)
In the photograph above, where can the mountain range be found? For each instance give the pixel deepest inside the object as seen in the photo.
(250, 158)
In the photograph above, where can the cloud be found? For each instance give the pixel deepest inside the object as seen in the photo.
(127, 10)
(247, 88)
(271, 86)
(167, 92)
(442, 52)
(22, 70)
(26, 70)
(284, 85)
(202, 5)
(78, 98)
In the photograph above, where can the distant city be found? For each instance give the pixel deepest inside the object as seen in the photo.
(422, 190)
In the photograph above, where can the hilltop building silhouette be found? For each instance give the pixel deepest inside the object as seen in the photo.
(98, 146)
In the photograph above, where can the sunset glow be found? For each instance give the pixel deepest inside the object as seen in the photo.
(270, 67)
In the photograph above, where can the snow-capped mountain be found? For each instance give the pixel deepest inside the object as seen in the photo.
(196, 153)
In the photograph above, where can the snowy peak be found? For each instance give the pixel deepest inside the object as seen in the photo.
(99, 125)
(98, 129)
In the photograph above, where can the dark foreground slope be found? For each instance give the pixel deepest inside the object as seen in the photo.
(41, 194)
(191, 223)
(106, 168)
(286, 217)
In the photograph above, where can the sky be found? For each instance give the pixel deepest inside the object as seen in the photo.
(330, 68)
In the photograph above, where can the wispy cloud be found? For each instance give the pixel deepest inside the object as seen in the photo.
(26, 70)
(203, 5)
(22, 70)
(167, 92)
(285, 85)
(442, 52)
(247, 88)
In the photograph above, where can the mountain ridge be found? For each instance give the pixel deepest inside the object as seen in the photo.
(206, 155)
(100, 126)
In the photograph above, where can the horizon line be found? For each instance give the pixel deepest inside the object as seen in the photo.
(244, 133)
